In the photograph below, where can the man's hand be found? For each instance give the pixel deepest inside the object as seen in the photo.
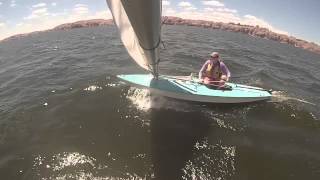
(224, 78)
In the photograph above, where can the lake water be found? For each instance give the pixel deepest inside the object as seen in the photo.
(65, 115)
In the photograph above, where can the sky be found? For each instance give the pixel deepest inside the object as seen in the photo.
(292, 17)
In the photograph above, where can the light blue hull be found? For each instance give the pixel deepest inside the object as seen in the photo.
(185, 89)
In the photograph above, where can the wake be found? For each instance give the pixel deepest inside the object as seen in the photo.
(280, 96)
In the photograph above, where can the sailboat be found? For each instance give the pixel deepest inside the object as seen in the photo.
(139, 25)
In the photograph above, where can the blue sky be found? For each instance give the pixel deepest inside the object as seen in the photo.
(292, 17)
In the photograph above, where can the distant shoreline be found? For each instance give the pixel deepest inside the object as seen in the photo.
(255, 31)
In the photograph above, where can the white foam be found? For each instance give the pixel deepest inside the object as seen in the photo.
(140, 98)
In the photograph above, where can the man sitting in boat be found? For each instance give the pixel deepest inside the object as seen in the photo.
(214, 71)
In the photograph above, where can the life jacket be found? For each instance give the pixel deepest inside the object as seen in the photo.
(213, 71)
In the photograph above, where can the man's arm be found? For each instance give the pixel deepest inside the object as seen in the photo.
(225, 71)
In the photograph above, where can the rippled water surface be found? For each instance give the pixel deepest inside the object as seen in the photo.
(65, 115)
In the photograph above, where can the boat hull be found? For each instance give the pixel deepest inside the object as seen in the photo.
(185, 89)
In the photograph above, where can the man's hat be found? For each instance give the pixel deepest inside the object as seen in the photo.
(214, 54)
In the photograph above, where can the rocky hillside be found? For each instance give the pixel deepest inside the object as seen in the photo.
(255, 31)
(87, 23)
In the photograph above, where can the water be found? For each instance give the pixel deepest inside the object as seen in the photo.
(64, 114)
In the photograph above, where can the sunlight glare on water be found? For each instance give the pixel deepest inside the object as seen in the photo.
(92, 88)
(73, 165)
(203, 159)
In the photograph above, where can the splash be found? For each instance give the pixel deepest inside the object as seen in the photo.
(144, 100)
(140, 98)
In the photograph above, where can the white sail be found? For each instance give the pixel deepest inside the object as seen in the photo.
(139, 24)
